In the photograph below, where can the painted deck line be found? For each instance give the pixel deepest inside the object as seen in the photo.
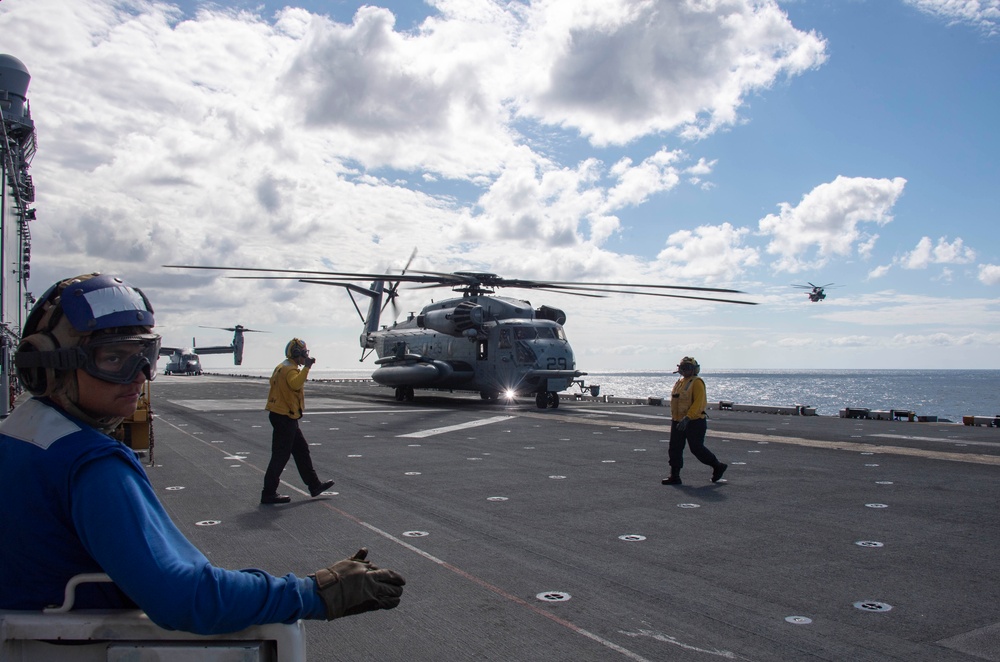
(250, 404)
(453, 428)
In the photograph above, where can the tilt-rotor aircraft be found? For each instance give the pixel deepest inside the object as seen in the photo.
(185, 361)
(479, 341)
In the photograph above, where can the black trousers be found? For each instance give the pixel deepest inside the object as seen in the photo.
(287, 441)
(694, 437)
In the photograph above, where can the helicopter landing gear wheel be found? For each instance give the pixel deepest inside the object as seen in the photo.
(404, 394)
(545, 399)
(490, 396)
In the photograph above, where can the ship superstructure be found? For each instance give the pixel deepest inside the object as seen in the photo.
(17, 147)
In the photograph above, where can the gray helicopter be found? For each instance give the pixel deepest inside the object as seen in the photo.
(480, 342)
(816, 293)
(186, 361)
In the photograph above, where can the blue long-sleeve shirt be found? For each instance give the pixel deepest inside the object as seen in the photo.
(77, 501)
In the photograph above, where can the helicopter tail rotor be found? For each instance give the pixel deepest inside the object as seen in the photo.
(393, 290)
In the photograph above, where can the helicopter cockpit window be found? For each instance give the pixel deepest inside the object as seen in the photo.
(546, 332)
(504, 342)
(525, 332)
(560, 333)
(523, 354)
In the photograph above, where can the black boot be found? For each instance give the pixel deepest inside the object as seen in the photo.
(274, 498)
(720, 469)
(674, 479)
(319, 488)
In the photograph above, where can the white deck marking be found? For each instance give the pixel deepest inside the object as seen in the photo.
(941, 439)
(663, 417)
(238, 404)
(341, 412)
(452, 428)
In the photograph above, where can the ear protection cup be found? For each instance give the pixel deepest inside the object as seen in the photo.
(296, 349)
(39, 380)
(36, 380)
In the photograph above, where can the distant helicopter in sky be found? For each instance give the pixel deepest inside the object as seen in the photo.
(816, 292)
(186, 361)
(481, 342)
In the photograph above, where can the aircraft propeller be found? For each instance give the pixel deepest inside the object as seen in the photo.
(238, 327)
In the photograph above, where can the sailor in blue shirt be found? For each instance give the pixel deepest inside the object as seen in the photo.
(77, 501)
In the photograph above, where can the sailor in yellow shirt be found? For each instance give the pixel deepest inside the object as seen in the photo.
(285, 404)
(688, 423)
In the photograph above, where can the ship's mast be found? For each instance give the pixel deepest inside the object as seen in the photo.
(17, 148)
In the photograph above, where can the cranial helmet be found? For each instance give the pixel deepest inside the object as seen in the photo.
(80, 323)
(296, 349)
(689, 362)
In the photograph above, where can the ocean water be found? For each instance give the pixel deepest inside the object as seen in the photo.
(947, 394)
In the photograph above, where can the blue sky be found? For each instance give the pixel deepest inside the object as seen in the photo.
(753, 145)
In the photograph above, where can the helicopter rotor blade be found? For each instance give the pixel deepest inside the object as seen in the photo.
(474, 282)
(661, 287)
(576, 294)
(569, 290)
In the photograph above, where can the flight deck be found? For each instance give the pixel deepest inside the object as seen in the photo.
(545, 534)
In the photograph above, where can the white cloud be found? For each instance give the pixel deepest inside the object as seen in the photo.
(853, 341)
(827, 219)
(983, 14)
(710, 253)
(879, 271)
(619, 69)
(989, 274)
(536, 201)
(926, 254)
(637, 183)
(947, 339)
(795, 342)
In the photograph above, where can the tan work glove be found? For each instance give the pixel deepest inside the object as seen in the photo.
(354, 586)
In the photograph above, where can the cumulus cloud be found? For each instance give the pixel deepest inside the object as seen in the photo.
(710, 253)
(989, 274)
(617, 69)
(534, 199)
(927, 253)
(827, 221)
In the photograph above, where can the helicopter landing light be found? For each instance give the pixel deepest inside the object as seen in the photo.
(509, 394)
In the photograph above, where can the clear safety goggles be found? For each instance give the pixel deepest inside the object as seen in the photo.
(120, 359)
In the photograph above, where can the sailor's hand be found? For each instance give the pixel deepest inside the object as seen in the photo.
(309, 361)
(354, 586)
(683, 424)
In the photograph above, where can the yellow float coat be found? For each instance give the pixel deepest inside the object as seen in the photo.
(287, 395)
(688, 399)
